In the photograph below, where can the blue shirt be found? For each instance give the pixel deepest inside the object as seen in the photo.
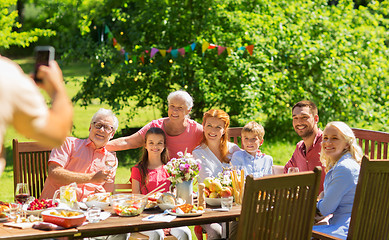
(339, 190)
(258, 165)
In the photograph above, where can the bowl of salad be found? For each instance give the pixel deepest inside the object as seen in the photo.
(128, 205)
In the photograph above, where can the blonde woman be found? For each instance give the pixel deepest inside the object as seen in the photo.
(341, 156)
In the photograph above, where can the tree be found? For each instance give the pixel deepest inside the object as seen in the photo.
(333, 55)
(8, 36)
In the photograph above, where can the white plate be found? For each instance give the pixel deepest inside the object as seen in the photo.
(198, 213)
(165, 206)
(213, 201)
(102, 205)
(3, 219)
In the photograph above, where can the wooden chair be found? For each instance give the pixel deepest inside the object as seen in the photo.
(279, 207)
(122, 188)
(234, 134)
(369, 216)
(373, 143)
(30, 165)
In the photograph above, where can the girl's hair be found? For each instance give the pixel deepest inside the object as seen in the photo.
(353, 147)
(222, 115)
(144, 161)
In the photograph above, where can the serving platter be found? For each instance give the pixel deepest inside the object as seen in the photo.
(198, 213)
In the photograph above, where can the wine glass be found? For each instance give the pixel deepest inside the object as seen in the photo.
(22, 194)
(110, 163)
(293, 170)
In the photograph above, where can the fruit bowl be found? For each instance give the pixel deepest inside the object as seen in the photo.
(215, 202)
(36, 207)
(64, 218)
(128, 205)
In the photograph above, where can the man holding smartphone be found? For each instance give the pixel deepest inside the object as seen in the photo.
(23, 106)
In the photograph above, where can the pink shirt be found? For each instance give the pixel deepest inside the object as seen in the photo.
(79, 155)
(308, 160)
(156, 177)
(189, 139)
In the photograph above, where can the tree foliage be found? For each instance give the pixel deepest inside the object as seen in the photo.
(8, 23)
(334, 55)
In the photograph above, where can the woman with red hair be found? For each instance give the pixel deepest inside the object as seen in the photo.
(215, 152)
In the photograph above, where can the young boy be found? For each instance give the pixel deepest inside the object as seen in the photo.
(251, 159)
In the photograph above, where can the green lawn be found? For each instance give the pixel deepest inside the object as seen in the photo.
(74, 73)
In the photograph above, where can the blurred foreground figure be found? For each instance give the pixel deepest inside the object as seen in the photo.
(23, 106)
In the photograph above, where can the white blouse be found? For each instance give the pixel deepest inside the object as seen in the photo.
(210, 165)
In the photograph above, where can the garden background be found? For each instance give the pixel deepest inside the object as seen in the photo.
(253, 59)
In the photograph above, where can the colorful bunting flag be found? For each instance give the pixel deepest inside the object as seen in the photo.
(205, 46)
(182, 51)
(153, 52)
(211, 46)
(250, 49)
(174, 53)
(142, 58)
(220, 50)
(229, 51)
(163, 52)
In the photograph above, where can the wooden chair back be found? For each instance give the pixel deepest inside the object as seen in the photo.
(369, 216)
(234, 134)
(373, 143)
(30, 165)
(279, 207)
(122, 188)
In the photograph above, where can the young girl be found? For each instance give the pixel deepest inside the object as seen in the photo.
(341, 155)
(150, 173)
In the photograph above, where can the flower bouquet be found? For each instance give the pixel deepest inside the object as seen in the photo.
(182, 169)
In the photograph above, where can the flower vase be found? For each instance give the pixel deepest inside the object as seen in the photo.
(185, 191)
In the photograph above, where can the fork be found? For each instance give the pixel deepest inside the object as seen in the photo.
(160, 214)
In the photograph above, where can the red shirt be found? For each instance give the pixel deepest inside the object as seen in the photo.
(156, 176)
(307, 160)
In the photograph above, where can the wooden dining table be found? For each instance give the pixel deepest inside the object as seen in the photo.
(117, 225)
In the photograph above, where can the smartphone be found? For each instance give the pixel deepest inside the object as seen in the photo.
(43, 55)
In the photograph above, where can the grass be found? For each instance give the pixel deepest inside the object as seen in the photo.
(74, 74)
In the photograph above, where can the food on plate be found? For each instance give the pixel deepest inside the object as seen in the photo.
(152, 200)
(98, 197)
(186, 208)
(65, 213)
(155, 196)
(29, 219)
(41, 204)
(3, 215)
(4, 206)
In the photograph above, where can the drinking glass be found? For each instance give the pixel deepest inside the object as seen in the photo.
(226, 202)
(293, 170)
(93, 214)
(22, 193)
(110, 163)
(14, 209)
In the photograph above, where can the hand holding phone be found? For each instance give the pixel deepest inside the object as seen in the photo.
(43, 55)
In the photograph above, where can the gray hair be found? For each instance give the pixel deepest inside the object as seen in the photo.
(183, 95)
(108, 113)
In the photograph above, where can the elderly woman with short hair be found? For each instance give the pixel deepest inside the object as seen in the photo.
(183, 134)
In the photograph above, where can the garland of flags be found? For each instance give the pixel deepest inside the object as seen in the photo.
(174, 52)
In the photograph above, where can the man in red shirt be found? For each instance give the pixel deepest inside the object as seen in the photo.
(307, 154)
